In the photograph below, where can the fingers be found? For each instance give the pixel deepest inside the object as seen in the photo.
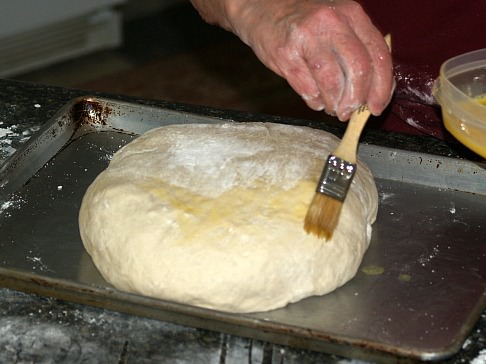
(365, 62)
(382, 82)
(342, 66)
(340, 72)
(325, 68)
(302, 81)
(357, 69)
(319, 79)
(330, 68)
(328, 51)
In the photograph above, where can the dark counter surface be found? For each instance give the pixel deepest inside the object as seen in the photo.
(36, 329)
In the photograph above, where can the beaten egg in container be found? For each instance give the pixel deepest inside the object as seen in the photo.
(461, 92)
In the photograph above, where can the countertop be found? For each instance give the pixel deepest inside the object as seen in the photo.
(36, 329)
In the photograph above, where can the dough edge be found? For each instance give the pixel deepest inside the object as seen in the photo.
(267, 278)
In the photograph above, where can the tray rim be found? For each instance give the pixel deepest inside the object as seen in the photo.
(42, 285)
(405, 158)
(207, 319)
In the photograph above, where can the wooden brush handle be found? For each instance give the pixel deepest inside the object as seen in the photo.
(348, 147)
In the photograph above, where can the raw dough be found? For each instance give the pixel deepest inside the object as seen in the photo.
(212, 215)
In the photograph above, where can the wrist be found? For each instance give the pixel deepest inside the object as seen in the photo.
(239, 16)
(218, 12)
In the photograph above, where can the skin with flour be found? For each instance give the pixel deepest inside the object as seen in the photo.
(212, 216)
(329, 51)
(333, 55)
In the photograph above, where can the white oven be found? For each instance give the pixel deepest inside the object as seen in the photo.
(35, 33)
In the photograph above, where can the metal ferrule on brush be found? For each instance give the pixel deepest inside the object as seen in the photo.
(336, 178)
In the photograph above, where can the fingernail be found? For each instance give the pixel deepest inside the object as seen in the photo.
(345, 114)
(306, 97)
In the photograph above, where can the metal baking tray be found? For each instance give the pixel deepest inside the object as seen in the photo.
(418, 293)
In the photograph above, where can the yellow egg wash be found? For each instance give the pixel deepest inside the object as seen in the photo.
(468, 134)
(289, 206)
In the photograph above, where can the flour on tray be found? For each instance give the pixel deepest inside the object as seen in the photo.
(14, 202)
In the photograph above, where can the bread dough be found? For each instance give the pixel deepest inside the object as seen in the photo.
(212, 216)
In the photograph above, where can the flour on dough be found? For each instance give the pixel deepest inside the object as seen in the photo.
(212, 216)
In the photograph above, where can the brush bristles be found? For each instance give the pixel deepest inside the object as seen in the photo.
(322, 216)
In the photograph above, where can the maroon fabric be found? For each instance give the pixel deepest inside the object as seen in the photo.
(425, 33)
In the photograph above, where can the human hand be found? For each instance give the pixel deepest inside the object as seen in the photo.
(328, 51)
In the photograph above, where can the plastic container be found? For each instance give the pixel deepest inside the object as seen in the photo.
(461, 92)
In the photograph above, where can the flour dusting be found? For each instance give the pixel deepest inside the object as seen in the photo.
(14, 202)
(37, 263)
(426, 258)
(413, 123)
(481, 358)
(226, 156)
(452, 209)
(386, 196)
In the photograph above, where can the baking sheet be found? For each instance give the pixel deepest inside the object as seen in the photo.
(420, 289)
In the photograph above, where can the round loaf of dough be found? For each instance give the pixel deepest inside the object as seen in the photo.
(212, 216)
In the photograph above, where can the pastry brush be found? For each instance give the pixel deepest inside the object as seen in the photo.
(325, 208)
(332, 188)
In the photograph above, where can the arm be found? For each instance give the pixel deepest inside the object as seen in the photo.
(328, 51)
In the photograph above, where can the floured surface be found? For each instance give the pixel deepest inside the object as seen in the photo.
(212, 216)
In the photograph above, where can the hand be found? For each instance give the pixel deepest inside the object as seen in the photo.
(328, 51)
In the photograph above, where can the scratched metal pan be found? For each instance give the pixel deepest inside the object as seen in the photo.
(418, 293)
